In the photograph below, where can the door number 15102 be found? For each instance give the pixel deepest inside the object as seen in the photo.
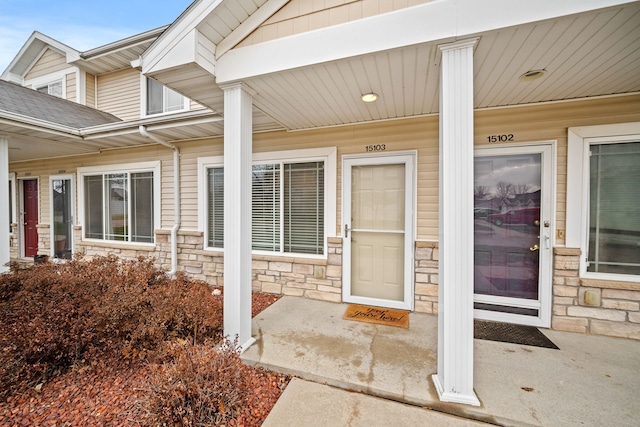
(500, 138)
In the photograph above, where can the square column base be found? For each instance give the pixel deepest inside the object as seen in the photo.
(466, 399)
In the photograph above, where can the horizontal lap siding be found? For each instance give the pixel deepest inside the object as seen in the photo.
(68, 165)
(119, 94)
(71, 87)
(300, 16)
(91, 91)
(50, 62)
(528, 124)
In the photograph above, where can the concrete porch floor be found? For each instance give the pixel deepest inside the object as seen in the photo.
(590, 381)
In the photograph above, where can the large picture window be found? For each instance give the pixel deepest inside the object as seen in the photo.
(288, 207)
(119, 205)
(614, 208)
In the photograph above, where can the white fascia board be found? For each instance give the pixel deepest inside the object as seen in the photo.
(193, 48)
(165, 45)
(249, 25)
(437, 21)
(35, 41)
(31, 123)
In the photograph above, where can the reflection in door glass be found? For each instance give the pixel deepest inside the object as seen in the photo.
(507, 194)
(62, 220)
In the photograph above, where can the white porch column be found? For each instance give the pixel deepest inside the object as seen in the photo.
(237, 213)
(454, 380)
(4, 201)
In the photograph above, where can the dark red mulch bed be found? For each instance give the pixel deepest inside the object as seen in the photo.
(110, 393)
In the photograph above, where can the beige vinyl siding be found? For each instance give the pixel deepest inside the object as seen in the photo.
(299, 16)
(91, 91)
(194, 106)
(43, 169)
(71, 87)
(50, 62)
(119, 94)
(544, 122)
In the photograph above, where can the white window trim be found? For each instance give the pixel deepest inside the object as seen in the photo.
(12, 196)
(186, 102)
(577, 233)
(58, 76)
(328, 155)
(153, 166)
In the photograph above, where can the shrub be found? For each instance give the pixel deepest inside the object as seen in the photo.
(203, 385)
(57, 315)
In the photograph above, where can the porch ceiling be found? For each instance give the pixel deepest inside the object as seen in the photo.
(585, 55)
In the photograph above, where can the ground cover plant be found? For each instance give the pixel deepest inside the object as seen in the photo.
(113, 342)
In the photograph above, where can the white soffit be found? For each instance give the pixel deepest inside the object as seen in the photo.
(429, 22)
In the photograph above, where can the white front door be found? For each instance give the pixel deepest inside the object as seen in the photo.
(513, 234)
(377, 229)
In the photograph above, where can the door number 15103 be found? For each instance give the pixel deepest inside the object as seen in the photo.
(379, 147)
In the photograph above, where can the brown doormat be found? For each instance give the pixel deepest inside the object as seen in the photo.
(378, 315)
(507, 332)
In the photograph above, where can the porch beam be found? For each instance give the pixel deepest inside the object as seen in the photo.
(237, 213)
(4, 200)
(454, 380)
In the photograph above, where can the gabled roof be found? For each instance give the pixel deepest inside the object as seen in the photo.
(19, 100)
(315, 78)
(111, 57)
(30, 53)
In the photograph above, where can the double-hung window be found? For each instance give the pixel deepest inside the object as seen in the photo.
(289, 200)
(120, 205)
(603, 200)
(161, 99)
(614, 208)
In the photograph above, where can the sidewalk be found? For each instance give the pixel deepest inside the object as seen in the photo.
(590, 381)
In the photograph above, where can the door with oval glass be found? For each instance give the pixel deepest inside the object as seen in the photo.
(512, 234)
(378, 230)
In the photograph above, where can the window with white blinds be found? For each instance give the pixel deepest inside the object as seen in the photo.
(287, 207)
(119, 207)
(215, 207)
(304, 207)
(614, 208)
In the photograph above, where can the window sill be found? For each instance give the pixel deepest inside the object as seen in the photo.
(610, 284)
(115, 244)
(261, 256)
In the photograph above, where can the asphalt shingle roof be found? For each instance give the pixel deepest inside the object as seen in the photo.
(28, 102)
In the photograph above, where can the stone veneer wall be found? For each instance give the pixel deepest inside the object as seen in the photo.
(283, 275)
(426, 277)
(579, 305)
(592, 306)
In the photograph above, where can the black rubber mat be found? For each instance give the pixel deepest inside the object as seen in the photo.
(515, 334)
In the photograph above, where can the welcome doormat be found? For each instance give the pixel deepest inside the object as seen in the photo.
(377, 315)
(507, 332)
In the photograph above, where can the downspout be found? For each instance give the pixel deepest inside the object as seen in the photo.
(176, 197)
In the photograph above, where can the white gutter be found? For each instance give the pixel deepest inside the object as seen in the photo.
(176, 196)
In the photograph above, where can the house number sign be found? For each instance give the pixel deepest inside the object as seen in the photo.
(379, 147)
(500, 138)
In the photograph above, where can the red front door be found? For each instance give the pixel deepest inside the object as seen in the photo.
(30, 188)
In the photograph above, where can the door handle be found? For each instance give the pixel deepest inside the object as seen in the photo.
(346, 230)
(534, 248)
